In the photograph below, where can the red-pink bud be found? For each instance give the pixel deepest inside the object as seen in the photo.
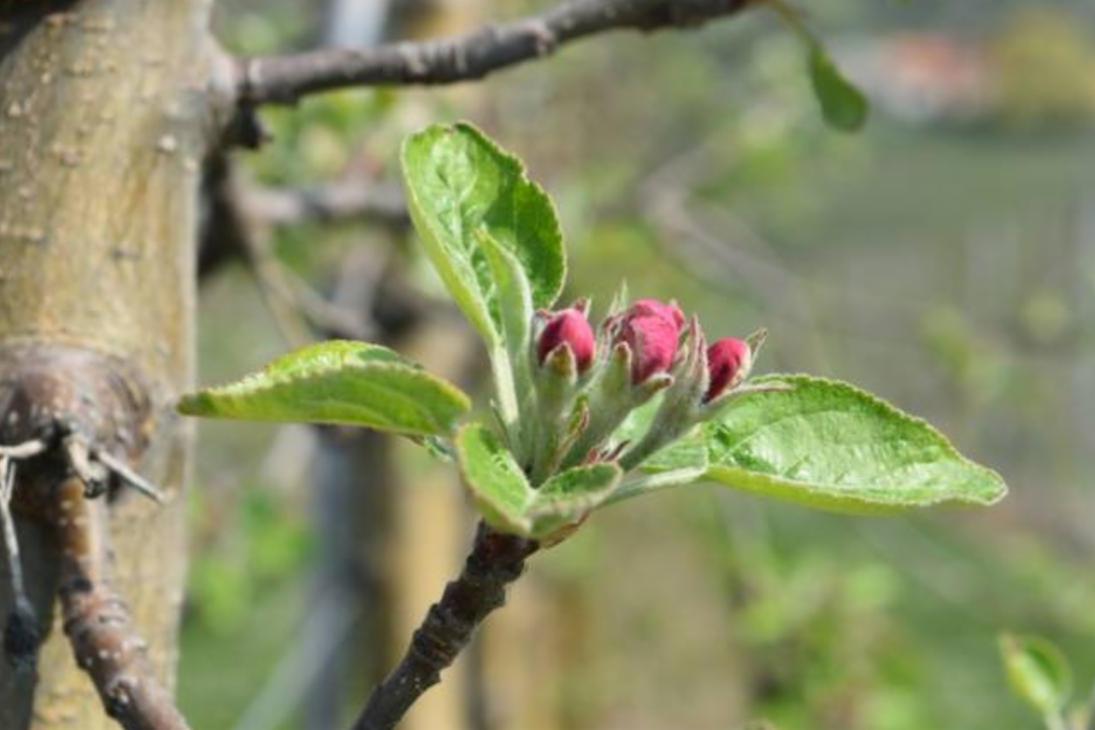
(570, 327)
(671, 312)
(653, 342)
(725, 359)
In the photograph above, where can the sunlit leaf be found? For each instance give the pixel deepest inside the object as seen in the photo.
(513, 376)
(569, 496)
(827, 444)
(458, 181)
(339, 381)
(507, 501)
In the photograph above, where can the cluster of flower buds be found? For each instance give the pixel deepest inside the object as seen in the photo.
(588, 382)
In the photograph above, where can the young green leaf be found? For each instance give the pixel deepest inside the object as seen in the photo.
(826, 444)
(338, 381)
(510, 360)
(842, 104)
(499, 487)
(569, 496)
(507, 501)
(1038, 672)
(513, 295)
(457, 182)
(682, 462)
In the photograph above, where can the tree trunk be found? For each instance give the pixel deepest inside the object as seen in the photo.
(106, 112)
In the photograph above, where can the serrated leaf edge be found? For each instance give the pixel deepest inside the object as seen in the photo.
(523, 178)
(191, 404)
(843, 499)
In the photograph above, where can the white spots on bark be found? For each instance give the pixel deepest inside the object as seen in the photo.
(167, 144)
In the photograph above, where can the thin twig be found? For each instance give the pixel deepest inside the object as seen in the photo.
(465, 57)
(95, 466)
(24, 450)
(11, 541)
(344, 200)
(22, 632)
(97, 622)
(496, 560)
(122, 471)
(234, 207)
(245, 218)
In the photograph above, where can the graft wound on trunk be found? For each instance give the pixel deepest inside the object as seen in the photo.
(55, 394)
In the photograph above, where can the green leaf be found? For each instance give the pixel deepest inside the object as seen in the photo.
(842, 104)
(827, 444)
(569, 496)
(499, 487)
(513, 376)
(510, 504)
(459, 181)
(512, 292)
(1038, 672)
(682, 462)
(689, 452)
(343, 382)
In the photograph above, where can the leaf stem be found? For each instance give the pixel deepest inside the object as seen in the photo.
(495, 561)
(792, 18)
(506, 390)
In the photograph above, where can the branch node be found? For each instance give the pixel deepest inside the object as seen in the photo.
(95, 467)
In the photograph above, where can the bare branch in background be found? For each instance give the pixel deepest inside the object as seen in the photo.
(235, 208)
(465, 57)
(342, 201)
(299, 311)
(238, 225)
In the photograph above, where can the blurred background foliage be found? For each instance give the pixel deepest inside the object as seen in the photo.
(944, 258)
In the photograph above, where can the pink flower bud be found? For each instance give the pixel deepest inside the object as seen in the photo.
(653, 342)
(725, 360)
(671, 312)
(569, 327)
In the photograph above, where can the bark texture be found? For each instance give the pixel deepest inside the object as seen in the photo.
(106, 110)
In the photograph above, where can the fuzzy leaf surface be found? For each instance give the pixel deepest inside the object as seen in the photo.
(827, 444)
(338, 382)
(459, 181)
(507, 501)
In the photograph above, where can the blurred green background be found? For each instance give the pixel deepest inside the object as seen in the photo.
(943, 258)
